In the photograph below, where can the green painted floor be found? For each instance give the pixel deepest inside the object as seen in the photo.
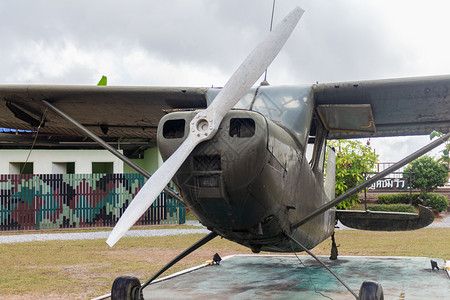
(289, 277)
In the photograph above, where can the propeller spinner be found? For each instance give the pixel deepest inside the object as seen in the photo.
(206, 123)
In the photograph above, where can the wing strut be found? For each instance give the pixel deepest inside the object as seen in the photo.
(189, 250)
(368, 182)
(108, 147)
(323, 265)
(121, 288)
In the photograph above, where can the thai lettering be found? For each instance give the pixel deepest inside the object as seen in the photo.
(390, 184)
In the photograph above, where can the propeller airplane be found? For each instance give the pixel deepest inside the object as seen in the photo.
(237, 154)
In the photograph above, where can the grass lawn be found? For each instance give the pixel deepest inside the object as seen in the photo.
(190, 216)
(86, 269)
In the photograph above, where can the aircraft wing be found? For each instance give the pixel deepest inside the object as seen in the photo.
(391, 107)
(124, 112)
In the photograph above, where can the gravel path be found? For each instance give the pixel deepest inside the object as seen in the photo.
(22, 238)
(444, 222)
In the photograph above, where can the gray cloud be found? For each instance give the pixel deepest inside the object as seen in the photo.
(201, 42)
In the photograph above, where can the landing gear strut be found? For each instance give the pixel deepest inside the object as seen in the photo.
(323, 265)
(370, 290)
(334, 249)
(129, 288)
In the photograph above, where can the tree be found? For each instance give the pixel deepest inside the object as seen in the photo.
(445, 158)
(428, 174)
(353, 161)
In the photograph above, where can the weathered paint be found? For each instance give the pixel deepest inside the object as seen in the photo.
(249, 185)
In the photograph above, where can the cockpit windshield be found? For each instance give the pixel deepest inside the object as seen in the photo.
(289, 106)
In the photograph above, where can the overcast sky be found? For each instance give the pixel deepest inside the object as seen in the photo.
(202, 42)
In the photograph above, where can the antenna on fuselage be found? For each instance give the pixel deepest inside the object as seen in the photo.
(265, 82)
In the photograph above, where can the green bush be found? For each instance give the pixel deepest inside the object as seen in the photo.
(398, 199)
(393, 207)
(428, 175)
(438, 202)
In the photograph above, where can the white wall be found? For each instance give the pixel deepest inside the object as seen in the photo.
(59, 168)
(43, 160)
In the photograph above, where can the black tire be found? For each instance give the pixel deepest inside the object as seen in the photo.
(371, 290)
(126, 288)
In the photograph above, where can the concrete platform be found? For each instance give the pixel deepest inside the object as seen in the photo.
(289, 277)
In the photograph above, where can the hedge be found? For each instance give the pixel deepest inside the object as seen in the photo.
(438, 202)
(393, 207)
(398, 199)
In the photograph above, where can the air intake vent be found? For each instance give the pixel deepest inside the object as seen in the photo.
(207, 163)
(242, 127)
(174, 129)
(210, 181)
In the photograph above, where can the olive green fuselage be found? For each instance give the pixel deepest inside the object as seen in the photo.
(250, 182)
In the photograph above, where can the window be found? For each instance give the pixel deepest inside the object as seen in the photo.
(20, 168)
(320, 141)
(63, 168)
(102, 167)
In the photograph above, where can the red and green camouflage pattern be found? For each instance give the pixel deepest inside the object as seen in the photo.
(29, 202)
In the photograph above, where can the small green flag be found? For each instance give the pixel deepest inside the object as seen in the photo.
(103, 81)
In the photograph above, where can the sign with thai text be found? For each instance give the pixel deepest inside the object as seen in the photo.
(389, 184)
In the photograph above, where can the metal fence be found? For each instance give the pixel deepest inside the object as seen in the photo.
(46, 201)
(379, 167)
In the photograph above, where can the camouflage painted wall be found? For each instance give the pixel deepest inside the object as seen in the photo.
(76, 200)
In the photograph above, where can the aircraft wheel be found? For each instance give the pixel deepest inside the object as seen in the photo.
(126, 288)
(371, 290)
